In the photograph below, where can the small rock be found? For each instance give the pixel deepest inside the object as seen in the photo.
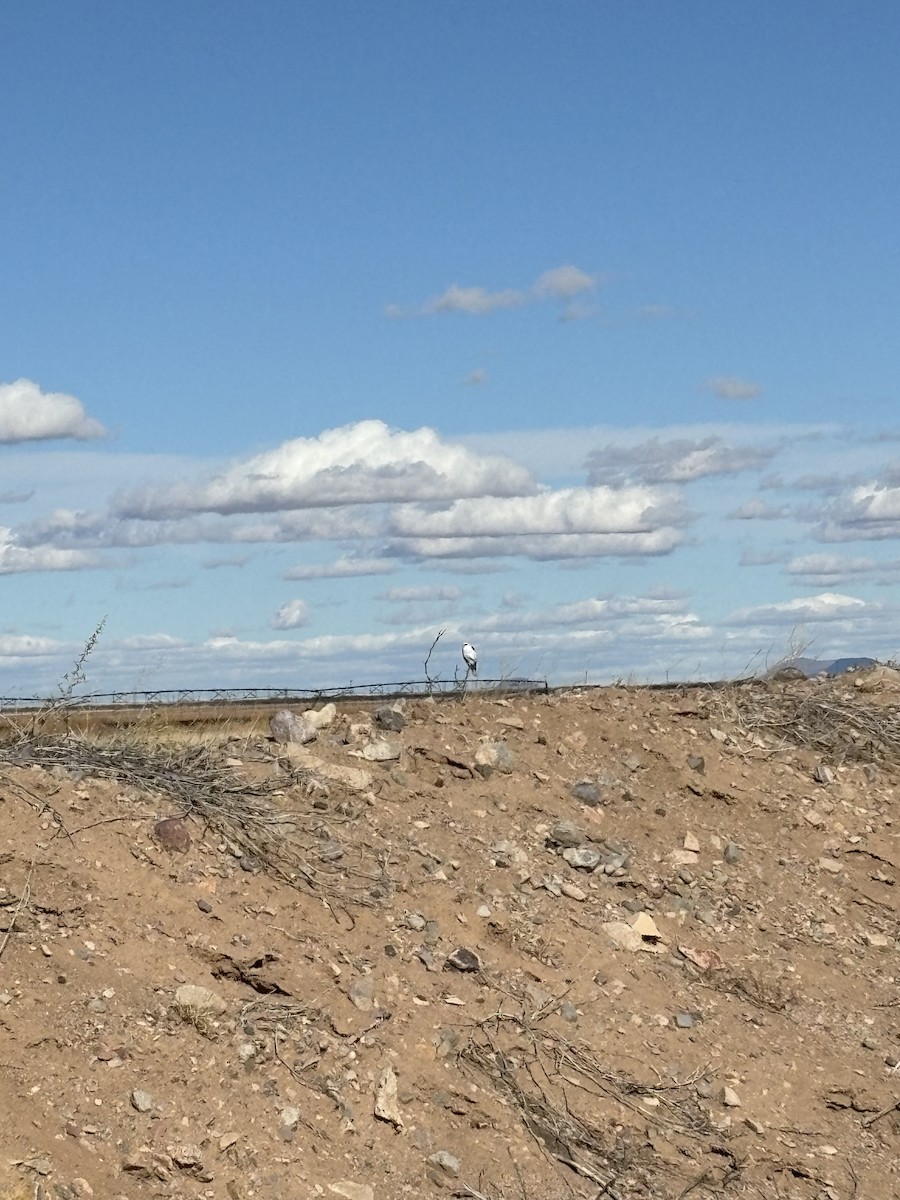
(566, 833)
(585, 858)
(697, 763)
(684, 1020)
(352, 1191)
(390, 718)
(644, 925)
(826, 863)
(573, 891)
(447, 1162)
(511, 722)
(690, 843)
(732, 852)
(286, 727)
(186, 1156)
(290, 1116)
(878, 940)
(320, 718)
(381, 751)
(463, 960)
(361, 993)
(199, 999)
(729, 1098)
(497, 756)
(587, 792)
(204, 906)
(823, 774)
(172, 834)
(142, 1101)
(386, 1108)
(623, 936)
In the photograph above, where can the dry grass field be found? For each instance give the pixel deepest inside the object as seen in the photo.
(617, 942)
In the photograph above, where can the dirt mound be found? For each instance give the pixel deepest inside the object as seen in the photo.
(620, 942)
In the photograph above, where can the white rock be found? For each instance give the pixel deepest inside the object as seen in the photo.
(352, 1191)
(320, 718)
(199, 999)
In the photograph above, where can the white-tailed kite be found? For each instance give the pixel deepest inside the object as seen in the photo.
(470, 657)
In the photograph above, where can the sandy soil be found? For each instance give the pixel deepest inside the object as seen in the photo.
(618, 942)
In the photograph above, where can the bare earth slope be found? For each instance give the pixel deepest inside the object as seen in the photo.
(438, 976)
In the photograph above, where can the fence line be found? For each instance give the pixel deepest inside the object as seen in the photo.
(167, 696)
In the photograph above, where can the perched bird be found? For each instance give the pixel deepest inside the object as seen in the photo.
(470, 657)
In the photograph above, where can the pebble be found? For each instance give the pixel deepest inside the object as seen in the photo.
(199, 999)
(142, 1101)
(573, 891)
(587, 792)
(826, 863)
(204, 906)
(566, 833)
(172, 834)
(390, 718)
(729, 1098)
(585, 858)
(464, 960)
(361, 993)
(732, 852)
(497, 756)
(352, 1191)
(381, 750)
(446, 1161)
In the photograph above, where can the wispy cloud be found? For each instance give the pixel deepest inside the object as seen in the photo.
(294, 614)
(826, 606)
(476, 377)
(758, 510)
(28, 414)
(425, 592)
(731, 387)
(341, 568)
(680, 460)
(559, 283)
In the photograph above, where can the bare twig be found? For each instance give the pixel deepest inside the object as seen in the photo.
(867, 1121)
(432, 681)
(23, 900)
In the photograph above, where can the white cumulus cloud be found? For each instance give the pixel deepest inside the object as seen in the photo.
(365, 463)
(17, 559)
(28, 414)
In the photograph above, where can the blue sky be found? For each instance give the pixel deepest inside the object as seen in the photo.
(570, 329)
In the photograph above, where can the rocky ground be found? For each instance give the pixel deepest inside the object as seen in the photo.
(615, 942)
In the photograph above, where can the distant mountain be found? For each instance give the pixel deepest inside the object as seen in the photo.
(819, 666)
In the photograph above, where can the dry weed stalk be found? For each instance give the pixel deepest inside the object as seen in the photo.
(842, 728)
(530, 1066)
(289, 844)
